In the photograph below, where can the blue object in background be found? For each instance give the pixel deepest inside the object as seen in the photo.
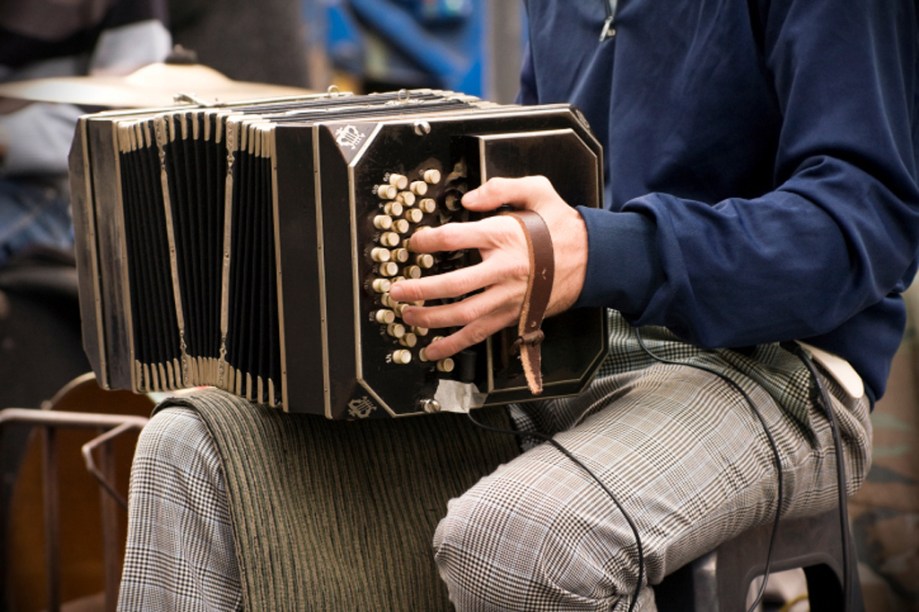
(413, 43)
(344, 42)
(439, 12)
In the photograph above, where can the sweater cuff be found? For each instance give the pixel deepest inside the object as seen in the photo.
(623, 268)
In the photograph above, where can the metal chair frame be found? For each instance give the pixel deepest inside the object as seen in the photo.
(719, 580)
(110, 427)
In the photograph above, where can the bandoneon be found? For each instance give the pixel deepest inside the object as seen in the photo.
(251, 247)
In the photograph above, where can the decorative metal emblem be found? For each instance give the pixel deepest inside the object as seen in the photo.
(361, 408)
(348, 136)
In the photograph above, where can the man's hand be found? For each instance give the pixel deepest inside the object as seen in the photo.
(503, 272)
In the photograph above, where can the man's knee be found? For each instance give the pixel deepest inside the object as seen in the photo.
(177, 455)
(506, 545)
(172, 433)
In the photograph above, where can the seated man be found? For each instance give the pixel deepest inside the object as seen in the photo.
(762, 201)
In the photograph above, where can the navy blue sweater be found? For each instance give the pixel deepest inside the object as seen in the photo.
(761, 164)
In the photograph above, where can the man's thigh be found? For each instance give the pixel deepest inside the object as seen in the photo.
(685, 455)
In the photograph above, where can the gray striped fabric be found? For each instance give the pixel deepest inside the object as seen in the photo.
(340, 516)
(180, 553)
(325, 515)
(682, 451)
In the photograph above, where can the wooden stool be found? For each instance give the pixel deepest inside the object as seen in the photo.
(720, 580)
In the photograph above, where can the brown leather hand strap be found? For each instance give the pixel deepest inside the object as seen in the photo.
(536, 300)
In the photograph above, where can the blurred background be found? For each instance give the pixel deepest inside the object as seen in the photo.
(472, 46)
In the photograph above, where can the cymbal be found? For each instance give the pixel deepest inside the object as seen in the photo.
(153, 85)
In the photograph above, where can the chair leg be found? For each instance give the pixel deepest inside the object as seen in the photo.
(720, 580)
(822, 579)
(826, 581)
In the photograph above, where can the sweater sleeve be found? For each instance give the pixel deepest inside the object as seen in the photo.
(838, 233)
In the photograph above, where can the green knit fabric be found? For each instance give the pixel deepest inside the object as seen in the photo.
(340, 515)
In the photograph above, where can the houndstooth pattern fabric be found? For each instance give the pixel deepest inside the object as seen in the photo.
(180, 553)
(682, 451)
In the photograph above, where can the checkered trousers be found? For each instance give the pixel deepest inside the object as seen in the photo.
(180, 553)
(681, 450)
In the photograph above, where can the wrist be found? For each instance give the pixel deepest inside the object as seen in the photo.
(571, 259)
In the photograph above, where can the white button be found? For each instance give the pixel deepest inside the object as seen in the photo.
(432, 176)
(401, 357)
(384, 316)
(382, 222)
(399, 181)
(396, 330)
(401, 226)
(389, 268)
(406, 197)
(393, 208)
(379, 254)
(386, 192)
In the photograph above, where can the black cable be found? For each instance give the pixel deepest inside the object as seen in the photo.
(824, 399)
(580, 464)
(780, 489)
(780, 493)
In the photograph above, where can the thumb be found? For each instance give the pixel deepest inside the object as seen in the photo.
(523, 193)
